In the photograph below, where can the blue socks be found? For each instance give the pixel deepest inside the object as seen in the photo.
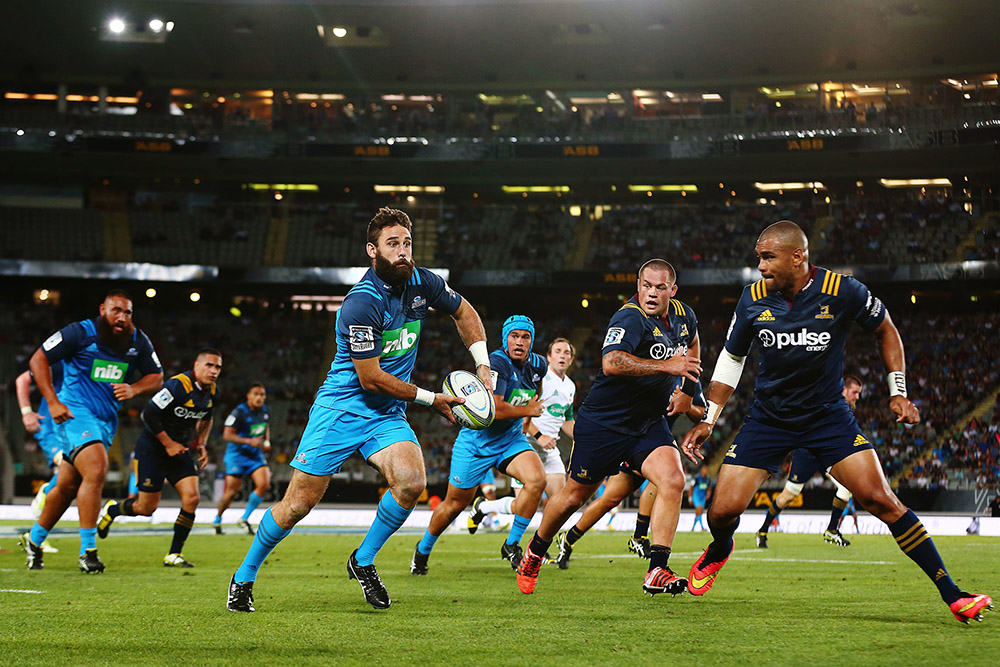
(269, 533)
(252, 503)
(38, 534)
(389, 516)
(517, 529)
(427, 542)
(217, 520)
(88, 539)
(914, 541)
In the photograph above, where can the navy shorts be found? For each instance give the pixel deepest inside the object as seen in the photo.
(154, 465)
(831, 438)
(804, 466)
(598, 451)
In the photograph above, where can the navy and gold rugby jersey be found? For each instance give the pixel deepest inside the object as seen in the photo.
(631, 405)
(178, 407)
(377, 320)
(801, 345)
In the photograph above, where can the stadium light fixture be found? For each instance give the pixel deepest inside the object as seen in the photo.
(195, 297)
(150, 293)
(339, 32)
(914, 182)
(116, 25)
(156, 25)
(663, 188)
(773, 187)
(534, 189)
(425, 189)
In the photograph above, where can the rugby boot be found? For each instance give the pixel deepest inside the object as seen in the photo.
(240, 596)
(512, 553)
(477, 515)
(90, 563)
(834, 537)
(176, 560)
(663, 580)
(761, 540)
(244, 525)
(971, 607)
(418, 565)
(218, 528)
(371, 583)
(105, 521)
(639, 546)
(48, 548)
(565, 551)
(527, 572)
(32, 550)
(703, 575)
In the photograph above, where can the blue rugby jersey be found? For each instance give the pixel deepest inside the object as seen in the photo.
(90, 367)
(248, 424)
(178, 407)
(801, 345)
(631, 405)
(701, 485)
(377, 320)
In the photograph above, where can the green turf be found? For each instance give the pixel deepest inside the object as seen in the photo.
(786, 605)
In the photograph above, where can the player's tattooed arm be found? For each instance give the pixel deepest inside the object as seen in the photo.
(619, 362)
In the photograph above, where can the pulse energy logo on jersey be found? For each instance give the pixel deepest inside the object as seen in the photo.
(400, 341)
(811, 340)
(108, 371)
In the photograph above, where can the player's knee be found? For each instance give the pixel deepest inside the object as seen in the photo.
(262, 489)
(409, 485)
(882, 503)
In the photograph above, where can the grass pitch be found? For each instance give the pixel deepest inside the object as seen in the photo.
(801, 601)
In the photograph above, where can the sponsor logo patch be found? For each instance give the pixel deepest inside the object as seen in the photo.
(811, 340)
(103, 370)
(766, 316)
(400, 341)
(163, 398)
(614, 336)
(362, 338)
(824, 313)
(860, 440)
(52, 341)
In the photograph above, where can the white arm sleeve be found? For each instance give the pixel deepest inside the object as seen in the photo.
(728, 369)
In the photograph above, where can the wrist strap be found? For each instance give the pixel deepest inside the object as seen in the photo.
(480, 354)
(424, 397)
(26, 409)
(690, 387)
(897, 383)
(712, 414)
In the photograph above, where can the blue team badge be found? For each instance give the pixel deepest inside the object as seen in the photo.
(418, 301)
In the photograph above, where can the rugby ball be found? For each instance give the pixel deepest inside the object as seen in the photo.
(478, 410)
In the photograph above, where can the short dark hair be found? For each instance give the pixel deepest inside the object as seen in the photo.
(853, 379)
(257, 383)
(387, 217)
(207, 350)
(117, 292)
(658, 263)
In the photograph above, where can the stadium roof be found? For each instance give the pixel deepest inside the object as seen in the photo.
(497, 45)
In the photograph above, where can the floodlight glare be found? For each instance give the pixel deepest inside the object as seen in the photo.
(116, 26)
(156, 25)
(340, 31)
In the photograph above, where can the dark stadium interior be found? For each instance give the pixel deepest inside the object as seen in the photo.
(544, 150)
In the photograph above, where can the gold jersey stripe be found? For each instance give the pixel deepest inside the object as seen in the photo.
(185, 380)
(826, 282)
(836, 285)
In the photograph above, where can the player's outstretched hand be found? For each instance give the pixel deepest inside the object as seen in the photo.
(31, 422)
(123, 391)
(684, 366)
(483, 373)
(536, 406)
(680, 403)
(202, 456)
(442, 405)
(59, 412)
(691, 447)
(905, 409)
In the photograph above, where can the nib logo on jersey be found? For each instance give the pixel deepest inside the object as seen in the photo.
(813, 341)
(400, 341)
(108, 371)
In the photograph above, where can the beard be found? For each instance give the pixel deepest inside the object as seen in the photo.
(119, 342)
(395, 274)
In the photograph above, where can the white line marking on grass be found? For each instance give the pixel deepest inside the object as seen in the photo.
(818, 560)
(18, 590)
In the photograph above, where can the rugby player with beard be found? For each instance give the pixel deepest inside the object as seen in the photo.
(106, 360)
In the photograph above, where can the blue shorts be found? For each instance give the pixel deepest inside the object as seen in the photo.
(240, 462)
(698, 499)
(83, 429)
(804, 466)
(46, 437)
(490, 478)
(331, 436)
(598, 451)
(832, 438)
(154, 465)
(470, 464)
(133, 473)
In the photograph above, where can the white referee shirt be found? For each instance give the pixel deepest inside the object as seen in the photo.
(558, 395)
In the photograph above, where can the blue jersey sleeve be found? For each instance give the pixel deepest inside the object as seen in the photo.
(360, 321)
(237, 419)
(540, 363)
(63, 343)
(739, 338)
(624, 330)
(866, 308)
(439, 294)
(500, 371)
(147, 363)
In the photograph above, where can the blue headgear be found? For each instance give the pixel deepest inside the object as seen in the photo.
(519, 322)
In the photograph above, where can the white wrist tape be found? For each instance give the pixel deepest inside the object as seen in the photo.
(424, 397)
(26, 409)
(897, 383)
(712, 413)
(480, 353)
(728, 369)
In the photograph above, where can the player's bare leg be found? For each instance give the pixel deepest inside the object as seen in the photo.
(616, 489)
(663, 468)
(187, 489)
(455, 500)
(61, 496)
(303, 493)
(233, 485)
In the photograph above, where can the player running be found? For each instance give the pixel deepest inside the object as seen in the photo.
(804, 466)
(645, 349)
(361, 404)
(701, 492)
(248, 437)
(800, 314)
(40, 425)
(178, 414)
(558, 393)
(517, 373)
(100, 356)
